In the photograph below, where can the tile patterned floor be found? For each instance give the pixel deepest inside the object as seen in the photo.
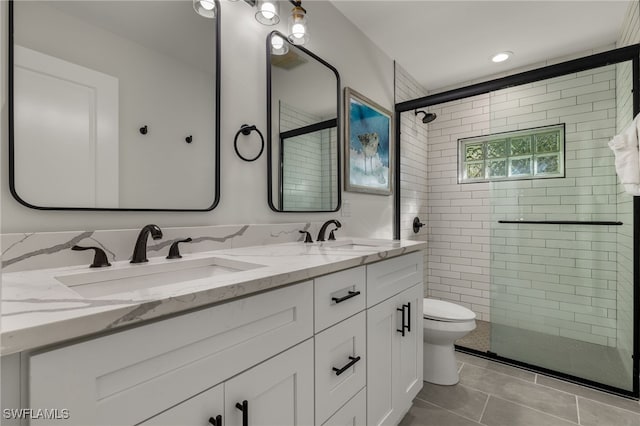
(494, 394)
(569, 356)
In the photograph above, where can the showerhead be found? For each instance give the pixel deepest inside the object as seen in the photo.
(428, 116)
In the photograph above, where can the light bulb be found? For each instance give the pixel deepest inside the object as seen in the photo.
(298, 30)
(205, 8)
(277, 42)
(268, 10)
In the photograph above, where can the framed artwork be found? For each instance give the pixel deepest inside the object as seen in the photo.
(368, 145)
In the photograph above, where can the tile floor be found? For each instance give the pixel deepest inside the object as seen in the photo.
(569, 356)
(494, 394)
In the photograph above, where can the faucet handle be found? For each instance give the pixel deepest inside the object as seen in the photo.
(174, 251)
(307, 237)
(332, 237)
(99, 259)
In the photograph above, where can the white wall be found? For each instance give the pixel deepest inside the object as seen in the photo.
(362, 66)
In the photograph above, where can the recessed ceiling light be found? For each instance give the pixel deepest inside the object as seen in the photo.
(502, 56)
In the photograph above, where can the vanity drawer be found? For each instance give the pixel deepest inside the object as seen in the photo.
(340, 365)
(390, 277)
(339, 296)
(353, 413)
(129, 376)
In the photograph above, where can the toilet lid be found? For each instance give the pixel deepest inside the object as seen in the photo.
(446, 311)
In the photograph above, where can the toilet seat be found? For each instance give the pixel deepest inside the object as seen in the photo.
(439, 310)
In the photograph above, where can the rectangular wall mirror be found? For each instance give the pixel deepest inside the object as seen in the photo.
(114, 105)
(303, 129)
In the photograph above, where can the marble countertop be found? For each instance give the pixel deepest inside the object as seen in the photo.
(38, 309)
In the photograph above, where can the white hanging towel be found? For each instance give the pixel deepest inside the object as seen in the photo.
(625, 148)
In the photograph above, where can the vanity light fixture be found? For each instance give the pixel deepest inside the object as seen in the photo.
(298, 25)
(205, 8)
(502, 56)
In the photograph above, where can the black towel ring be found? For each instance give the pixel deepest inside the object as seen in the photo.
(246, 130)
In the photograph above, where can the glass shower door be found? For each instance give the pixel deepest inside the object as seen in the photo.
(561, 227)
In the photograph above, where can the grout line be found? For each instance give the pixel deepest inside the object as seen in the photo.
(578, 409)
(561, 390)
(591, 399)
(535, 409)
(485, 407)
(446, 409)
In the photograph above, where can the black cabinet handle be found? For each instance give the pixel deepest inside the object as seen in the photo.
(244, 407)
(215, 422)
(350, 364)
(408, 305)
(99, 258)
(348, 296)
(401, 330)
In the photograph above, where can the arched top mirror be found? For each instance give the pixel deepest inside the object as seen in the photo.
(303, 129)
(114, 105)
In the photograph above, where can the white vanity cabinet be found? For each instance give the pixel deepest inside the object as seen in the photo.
(128, 377)
(343, 349)
(394, 338)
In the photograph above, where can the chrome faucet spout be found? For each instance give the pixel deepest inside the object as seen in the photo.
(324, 227)
(140, 249)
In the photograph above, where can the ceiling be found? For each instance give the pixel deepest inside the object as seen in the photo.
(444, 43)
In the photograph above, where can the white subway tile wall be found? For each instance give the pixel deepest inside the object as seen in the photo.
(545, 277)
(308, 179)
(413, 159)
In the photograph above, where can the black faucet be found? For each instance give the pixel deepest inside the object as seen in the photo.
(324, 227)
(140, 250)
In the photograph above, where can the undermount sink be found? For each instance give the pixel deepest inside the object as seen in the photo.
(359, 244)
(128, 278)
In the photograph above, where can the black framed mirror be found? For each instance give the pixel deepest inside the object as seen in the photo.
(114, 105)
(303, 129)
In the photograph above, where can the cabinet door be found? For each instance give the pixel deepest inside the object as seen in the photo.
(196, 411)
(409, 363)
(353, 413)
(382, 352)
(394, 358)
(277, 392)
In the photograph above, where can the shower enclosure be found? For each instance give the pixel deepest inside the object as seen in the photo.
(528, 224)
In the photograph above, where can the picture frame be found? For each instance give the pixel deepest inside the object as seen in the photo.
(368, 146)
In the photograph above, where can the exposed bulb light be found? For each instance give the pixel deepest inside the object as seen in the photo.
(206, 8)
(278, 45)
(298, 26)
(267, 13)
(501, 57)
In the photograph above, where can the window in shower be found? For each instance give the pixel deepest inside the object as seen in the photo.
(523, 154)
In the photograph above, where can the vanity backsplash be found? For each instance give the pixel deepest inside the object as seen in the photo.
(38, 250)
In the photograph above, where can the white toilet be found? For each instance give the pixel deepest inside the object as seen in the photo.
(443, 323)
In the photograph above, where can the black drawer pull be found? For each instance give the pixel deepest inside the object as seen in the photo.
(408, 316)
(244, 407)
(348, 296)
(217, 421)
(401, 330)
(339, 371)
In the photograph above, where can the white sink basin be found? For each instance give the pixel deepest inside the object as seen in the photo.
(362, 245)
(104, 282)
